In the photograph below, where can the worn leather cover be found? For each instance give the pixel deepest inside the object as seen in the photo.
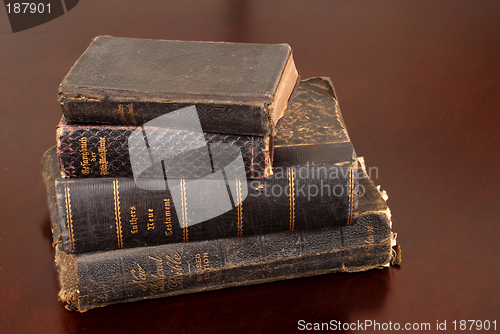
(302, 194)
(112, 213)
(82, 148)
(131, 81)
(98, 279)
(312, 130)
(313, 127)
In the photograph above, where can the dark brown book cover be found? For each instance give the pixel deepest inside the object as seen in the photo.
(311, 130)
(314, 186)
(238, 88)
(98, 279)
(98, 150)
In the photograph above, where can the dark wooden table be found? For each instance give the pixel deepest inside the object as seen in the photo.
(419, 86)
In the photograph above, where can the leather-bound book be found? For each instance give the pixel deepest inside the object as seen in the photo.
(99, 150)
(310, 125)
(97, 279)
(314, 185)
(237, 88)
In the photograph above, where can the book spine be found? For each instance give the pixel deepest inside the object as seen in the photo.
(243, 119)
(50, 173)
(98, 279)
(97, 214)
(104, 151)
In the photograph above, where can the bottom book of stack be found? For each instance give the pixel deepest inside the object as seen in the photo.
(97, 279)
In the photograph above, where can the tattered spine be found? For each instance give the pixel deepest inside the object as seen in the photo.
(98, 279)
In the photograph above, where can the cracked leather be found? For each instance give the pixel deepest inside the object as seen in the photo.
(131, 81)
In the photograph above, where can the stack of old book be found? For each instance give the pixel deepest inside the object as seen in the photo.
(183, 167)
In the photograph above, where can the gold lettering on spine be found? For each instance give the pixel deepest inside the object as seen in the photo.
(151, 219)
(103, 162)
(156, 280)
(184, 210)
(133, 220)
(168, 218)
(118, 219)
(202, 266)
(159, 278)
(206, 266)
(351, 199)
(139, 277)
(131, 113)
(85, 156)
(69, 217)
(121, 113)
(174, 264)
(291, 185)
(240, 207)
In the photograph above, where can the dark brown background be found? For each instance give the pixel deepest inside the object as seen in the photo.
(418, 84)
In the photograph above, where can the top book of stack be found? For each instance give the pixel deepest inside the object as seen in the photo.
(237, 88)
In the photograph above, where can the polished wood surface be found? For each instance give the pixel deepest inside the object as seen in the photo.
(419, 87)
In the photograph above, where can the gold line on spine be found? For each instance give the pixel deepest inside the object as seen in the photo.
(118, 219)
(351, 201)
(69, 217)
(131, 113)
(184, 210)
(240, 207)
(291, 183)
